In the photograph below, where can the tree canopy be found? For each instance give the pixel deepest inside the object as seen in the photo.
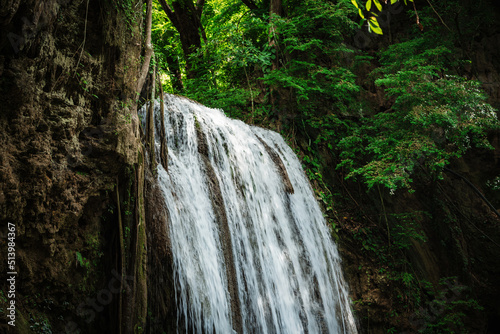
(295, 65)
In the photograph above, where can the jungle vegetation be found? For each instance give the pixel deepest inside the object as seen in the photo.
(386, 89)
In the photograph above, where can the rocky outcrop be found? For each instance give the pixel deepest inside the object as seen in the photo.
(68, 139)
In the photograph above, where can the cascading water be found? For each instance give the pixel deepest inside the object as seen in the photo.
(252, 251)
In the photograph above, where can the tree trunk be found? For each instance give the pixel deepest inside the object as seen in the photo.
(186, 18)
(151, 123)
(175, 74)
(275, 9)
(163, 141)
(148, 46)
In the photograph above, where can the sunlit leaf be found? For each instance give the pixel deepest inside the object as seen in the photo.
(361, 13)
(374, 26)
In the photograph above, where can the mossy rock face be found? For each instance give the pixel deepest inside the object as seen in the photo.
(62, 90)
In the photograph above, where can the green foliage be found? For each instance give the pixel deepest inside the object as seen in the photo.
(406, 229)
(238, 67)
(446, 312)
(131, 15)
(224, 61)
(312, 167)
(93, 247)
(83, 262)
(41, 327)
(494, 184)
(310, 47)
(368, 14)
(435, 117)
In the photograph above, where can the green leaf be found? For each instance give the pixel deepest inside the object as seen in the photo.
(355, 3)
(361, 13)
(374, 26)
(368, 5)
(377, 3)
(80, 259)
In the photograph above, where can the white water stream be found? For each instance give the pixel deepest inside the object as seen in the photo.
(288, 274)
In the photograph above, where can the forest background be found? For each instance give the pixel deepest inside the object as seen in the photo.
(391, 106)
(380, 100)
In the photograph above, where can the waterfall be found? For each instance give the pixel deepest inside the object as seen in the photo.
(252, 251)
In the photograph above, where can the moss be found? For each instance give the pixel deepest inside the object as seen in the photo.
(140, 158)
(22, 325)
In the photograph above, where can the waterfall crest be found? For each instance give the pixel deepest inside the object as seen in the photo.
(252, 251)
